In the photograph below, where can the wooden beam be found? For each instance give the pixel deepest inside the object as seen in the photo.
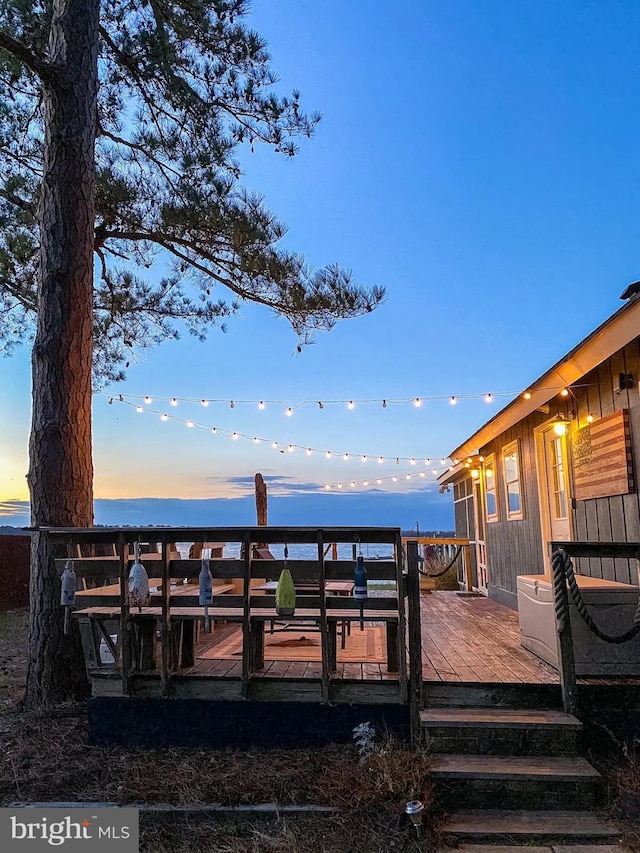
(402, 627)
(416, 697)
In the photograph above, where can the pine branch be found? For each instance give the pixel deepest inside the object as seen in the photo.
(44, 70)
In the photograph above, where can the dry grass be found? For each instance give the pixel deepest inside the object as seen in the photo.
(47, 757)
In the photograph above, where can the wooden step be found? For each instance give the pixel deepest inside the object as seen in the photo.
(494, 767)
(481, 781)
(501, 718)
(500, 731)
(523, 825)
(494, 847)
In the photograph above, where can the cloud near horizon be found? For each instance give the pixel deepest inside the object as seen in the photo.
(371, 508)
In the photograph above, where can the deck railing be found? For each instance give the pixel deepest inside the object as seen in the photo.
(563, 586)
(445, 550)
(174, 607)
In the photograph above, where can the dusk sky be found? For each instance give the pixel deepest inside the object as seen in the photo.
(480, 161)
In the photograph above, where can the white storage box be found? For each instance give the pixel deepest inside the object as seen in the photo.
(611, 605)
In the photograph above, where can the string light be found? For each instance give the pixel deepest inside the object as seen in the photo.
(589, 418)
(289, 411)
(416, 401)
(256, 439)
(290, 448)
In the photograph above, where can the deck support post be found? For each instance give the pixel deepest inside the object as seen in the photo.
(248, 655)
(166, 627)
(325, 642)
(402, 618)
(566, 660)
(125, 618)
(416, 690)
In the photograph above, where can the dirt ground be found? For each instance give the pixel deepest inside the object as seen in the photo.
(48, 758)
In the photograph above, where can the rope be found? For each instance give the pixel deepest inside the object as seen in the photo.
(446, 569)
(563, 568)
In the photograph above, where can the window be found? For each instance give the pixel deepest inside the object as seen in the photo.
(490, 489)
(513, 491)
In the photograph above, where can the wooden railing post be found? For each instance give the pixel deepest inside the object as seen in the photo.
(566, 660)
(125, 618)
(416, 690)
(247, 639)
(167, 639)
(466, 550)
(324, 628)
(402, 621)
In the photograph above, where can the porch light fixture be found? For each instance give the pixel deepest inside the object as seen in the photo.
(475, 473)
(560, 425)
(415, 810)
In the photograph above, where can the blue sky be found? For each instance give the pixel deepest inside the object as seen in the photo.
(480, 161)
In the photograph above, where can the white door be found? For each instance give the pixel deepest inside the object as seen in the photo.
(555, 500)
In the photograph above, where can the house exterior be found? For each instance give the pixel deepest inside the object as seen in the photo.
(556, 464)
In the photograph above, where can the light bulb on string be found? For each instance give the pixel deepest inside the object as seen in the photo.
(232, 405)
(488, 398)
(380, 459)
(452, 401)
(214, 430)
(256, 440)
(412, 461)
(328, 454)
(443, 461)
(339, 485)
(394, 478)
(309, 451)
(174, 402)
(235, 436)
(147, 400)
(327, 486)
(275, 445)
(190, 423)
(320, 406)
(427, 462)
(527, 395)
(139, 409)
(353, 482)
(378, 481)
(564, 392)
(290, 448)
(589, 418)
(417, 402)
(384, 404)
(289, 411)
(261, 405)
(364, 458)
(204, 403)
(422, 473)
(365, 483)
(397, 460)
(346, 457)
(408, 477)
(351, 404)
(164, 417)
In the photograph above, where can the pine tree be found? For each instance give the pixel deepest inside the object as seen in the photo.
(120, 123)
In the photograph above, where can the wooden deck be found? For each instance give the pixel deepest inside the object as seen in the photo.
(464, 639)
(474, 639)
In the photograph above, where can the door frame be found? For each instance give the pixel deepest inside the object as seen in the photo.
(543, 488)
(480, 533)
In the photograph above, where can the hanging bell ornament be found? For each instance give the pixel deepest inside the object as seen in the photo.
(138, 581)
(68, 592)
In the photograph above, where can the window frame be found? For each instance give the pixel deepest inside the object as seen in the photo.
(490, 462)
(508, 450)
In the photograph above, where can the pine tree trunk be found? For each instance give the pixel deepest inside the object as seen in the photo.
(60, 455)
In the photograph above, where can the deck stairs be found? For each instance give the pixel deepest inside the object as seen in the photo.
(508, 776)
